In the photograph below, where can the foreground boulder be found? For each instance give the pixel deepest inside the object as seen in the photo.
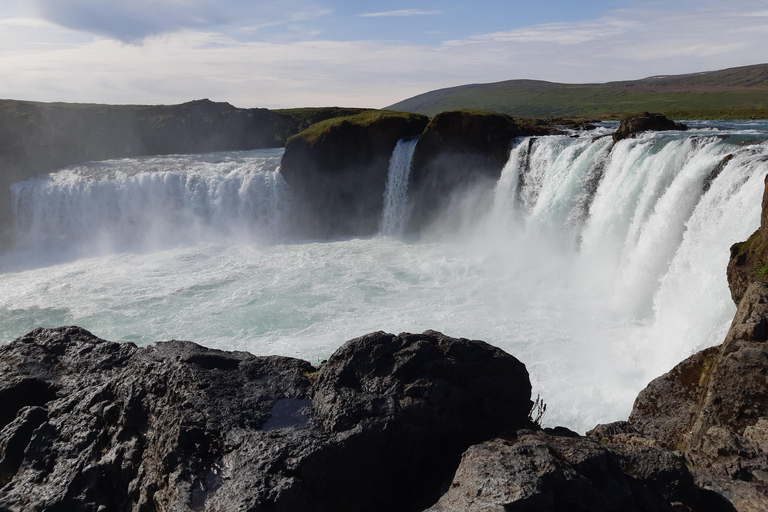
(631, 126)
(90, 425)
(561, 471)
(337, 171)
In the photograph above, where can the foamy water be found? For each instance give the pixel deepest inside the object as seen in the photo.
(600, 268)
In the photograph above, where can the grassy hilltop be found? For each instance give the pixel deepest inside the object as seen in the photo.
(735, 93)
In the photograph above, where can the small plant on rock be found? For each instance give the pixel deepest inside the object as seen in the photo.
(537, 411)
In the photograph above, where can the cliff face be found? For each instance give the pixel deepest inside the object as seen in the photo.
(337, 171)
(714, 408)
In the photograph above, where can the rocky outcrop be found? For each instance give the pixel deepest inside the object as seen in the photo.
(460, 151)
(666, 408)
(90, 425)
(337, 171)
(632, 125)
(714, 407)
(538, 471)
(749, 259)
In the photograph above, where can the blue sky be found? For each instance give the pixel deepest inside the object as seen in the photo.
(257, 53)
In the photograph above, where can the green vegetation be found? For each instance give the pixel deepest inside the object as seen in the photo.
(737, 93)
(760, 273)
(366, 118)
(299, 119)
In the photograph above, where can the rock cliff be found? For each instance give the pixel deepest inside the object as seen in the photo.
(337, 171)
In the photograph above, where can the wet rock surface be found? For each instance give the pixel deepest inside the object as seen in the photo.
(92, 425)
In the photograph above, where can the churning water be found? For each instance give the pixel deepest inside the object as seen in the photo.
(599, 266)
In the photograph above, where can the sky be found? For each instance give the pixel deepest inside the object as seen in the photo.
(294, 53)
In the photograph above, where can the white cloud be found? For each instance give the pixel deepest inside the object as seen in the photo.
(45, 62)
(135, 20)
(400, 12)
(561, 33)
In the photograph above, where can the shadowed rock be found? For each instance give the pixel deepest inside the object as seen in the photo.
(535, 471)
(337, 171)
(176, 426)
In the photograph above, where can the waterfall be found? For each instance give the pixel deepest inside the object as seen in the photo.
(642, 219)
(149, 203)
(598, 265)
(396, 191)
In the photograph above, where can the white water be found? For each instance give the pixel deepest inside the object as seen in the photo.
(597, 291)
(396, 192)
(153, 203)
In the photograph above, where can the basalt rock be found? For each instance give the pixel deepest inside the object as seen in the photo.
(90, 425)
(749, 259)
(337, 171)
(536, 471)
(631, 126)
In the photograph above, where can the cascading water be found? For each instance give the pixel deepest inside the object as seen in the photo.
(396, 192)
(150, 203)
(600, 266)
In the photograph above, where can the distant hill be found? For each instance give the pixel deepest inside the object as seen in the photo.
(734, 93)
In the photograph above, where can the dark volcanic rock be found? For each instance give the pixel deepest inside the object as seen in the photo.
(337, 171)
(749, 260)
(91, 425)
(630, 126)
(533, 471)
(459, 151)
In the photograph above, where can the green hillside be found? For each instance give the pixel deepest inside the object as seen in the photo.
(735, 93)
